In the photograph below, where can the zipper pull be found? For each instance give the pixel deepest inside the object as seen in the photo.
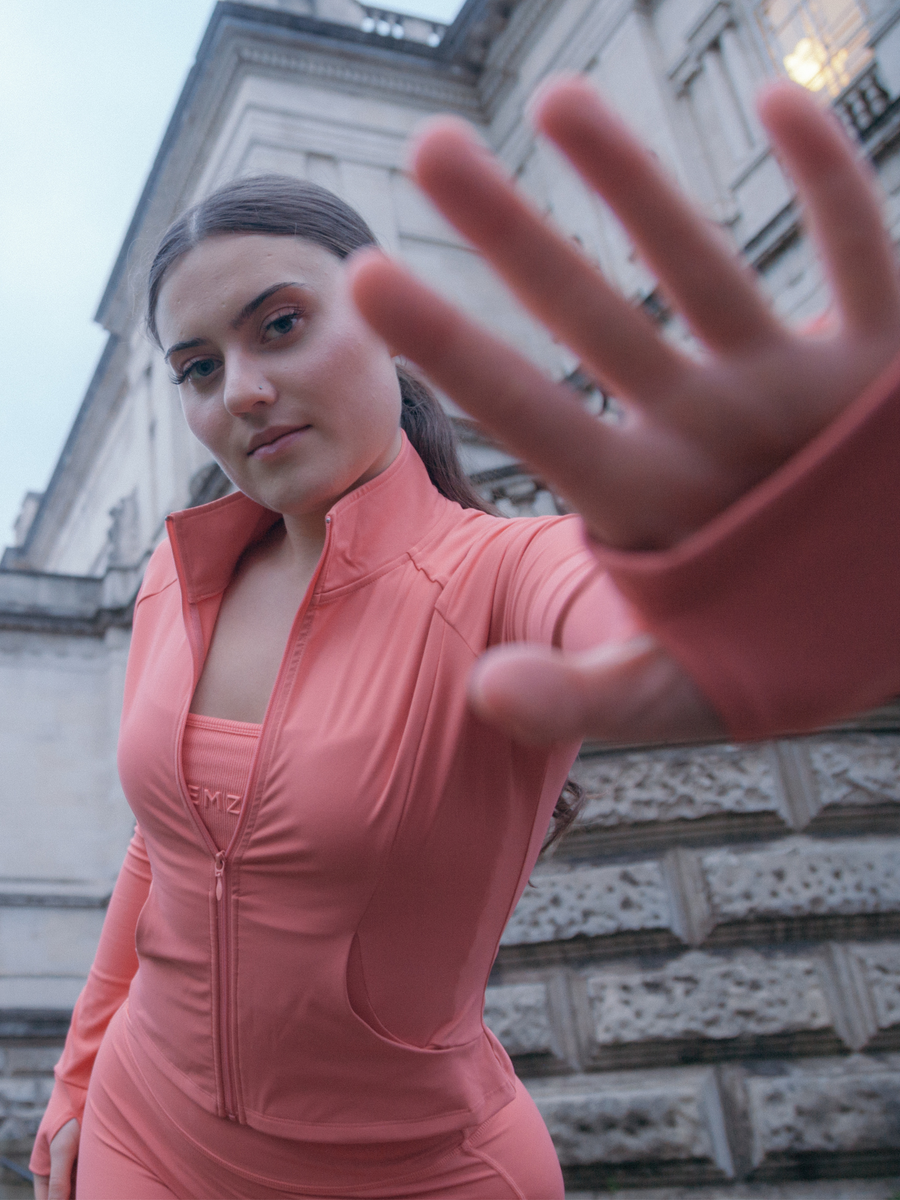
(220, 870)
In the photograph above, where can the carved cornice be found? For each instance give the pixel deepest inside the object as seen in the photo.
(402, 79)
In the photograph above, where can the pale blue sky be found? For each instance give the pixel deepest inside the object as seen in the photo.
(86, 91)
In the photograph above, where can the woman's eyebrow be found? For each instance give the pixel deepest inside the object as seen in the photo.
(260, 299)
(182, 346)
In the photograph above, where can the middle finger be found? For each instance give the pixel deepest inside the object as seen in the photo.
(548, 274)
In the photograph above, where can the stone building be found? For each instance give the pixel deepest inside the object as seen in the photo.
(702, 989)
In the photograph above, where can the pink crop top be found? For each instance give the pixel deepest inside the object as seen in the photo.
(217, 756)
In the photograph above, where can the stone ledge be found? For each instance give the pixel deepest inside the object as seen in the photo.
(54, 893)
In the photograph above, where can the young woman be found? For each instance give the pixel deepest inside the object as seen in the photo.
(330, 839)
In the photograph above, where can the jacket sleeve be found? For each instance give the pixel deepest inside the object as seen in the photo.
(104, 992)
(785, 609)
(558, 595)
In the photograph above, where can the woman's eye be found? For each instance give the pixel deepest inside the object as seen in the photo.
(200, 368)
(280, 325)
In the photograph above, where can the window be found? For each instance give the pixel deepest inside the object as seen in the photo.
(822, 44)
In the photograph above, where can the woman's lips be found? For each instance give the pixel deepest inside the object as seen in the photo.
(280, 442)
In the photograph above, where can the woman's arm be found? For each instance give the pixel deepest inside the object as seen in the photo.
(684, 499)
(103, 994)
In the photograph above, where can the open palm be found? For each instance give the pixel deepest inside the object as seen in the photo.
(698, 431)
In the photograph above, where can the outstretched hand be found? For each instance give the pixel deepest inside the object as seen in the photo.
(699, 431)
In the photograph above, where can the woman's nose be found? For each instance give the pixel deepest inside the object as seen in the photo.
(246, 386)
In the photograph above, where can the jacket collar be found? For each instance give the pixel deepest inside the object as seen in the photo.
(368, 529)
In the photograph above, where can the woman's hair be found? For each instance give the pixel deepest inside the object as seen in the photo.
(283, 206)
(288, 207)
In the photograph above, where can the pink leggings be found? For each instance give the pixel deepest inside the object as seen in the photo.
(142, 1139)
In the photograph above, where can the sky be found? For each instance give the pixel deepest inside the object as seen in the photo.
(86, 92)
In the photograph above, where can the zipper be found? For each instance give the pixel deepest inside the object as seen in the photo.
(224, 940)
(220, 857)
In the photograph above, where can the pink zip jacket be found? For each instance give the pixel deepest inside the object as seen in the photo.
(784, 608)
(323, 977)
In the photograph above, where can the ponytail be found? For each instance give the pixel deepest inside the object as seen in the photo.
(433, 437)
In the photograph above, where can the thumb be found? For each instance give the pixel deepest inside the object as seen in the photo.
(60, 1185)
(63, 1153)
(623, 692)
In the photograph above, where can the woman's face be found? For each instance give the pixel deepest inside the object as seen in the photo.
(280, 378)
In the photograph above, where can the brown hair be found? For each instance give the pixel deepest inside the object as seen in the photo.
(289, 207)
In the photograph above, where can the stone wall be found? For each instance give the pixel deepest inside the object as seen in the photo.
(701, 987)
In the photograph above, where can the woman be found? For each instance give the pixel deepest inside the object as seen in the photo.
(334, 840)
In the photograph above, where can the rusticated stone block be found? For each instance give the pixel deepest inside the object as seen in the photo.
(518, 1015)
(642, 1117)
(708, 996)
(880, 967)
(828, 1106)
(859, 768)
(804, 878)
(676, 784)
(591, 902)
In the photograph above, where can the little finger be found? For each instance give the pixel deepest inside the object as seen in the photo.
(842, 204)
